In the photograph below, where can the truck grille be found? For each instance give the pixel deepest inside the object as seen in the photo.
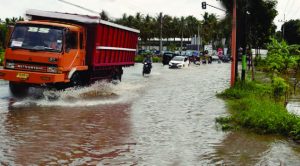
(29, 66)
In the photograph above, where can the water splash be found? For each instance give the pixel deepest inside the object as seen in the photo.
(99, 93)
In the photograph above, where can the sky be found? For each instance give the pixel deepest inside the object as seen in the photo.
(115, 8)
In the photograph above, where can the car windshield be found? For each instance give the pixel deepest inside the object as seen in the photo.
(178, 58)
(37, 38)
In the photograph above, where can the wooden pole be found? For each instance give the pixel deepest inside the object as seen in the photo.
(233, 44)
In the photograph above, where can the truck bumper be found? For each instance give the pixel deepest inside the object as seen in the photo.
(31, 77)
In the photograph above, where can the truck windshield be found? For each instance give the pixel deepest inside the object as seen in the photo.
(37, 38)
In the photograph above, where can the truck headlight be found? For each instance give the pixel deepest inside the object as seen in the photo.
(52, 69)
(10, 65)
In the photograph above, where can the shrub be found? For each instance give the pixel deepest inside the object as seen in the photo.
(140, 58)
(294, 49)
(279, 87)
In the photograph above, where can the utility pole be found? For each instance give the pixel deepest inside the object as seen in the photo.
(233, 45)
(182, 28)
(284, 21)
(160, 37)
(198, 40)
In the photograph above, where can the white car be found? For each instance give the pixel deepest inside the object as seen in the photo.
(179, 62)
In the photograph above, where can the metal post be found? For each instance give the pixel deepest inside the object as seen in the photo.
(283, 26)
(233, 44)
(160, 39)
(181, 42)
(198, 43)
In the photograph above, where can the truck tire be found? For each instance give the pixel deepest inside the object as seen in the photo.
(117, 75)
(18, 89)
(76, 80)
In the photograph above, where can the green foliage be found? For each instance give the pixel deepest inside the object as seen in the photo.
(156, 59)
(294, 49)
(172, 47)
(260, 21)
(292, 31)
(4, 28)
(174, 27)
(279, 58)
(140, 58)
(279, 87)
(1, 58)
(252, 108)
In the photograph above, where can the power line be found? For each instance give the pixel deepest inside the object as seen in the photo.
(72, 4)
(83, 8)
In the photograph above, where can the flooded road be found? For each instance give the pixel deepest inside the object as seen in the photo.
(167, 118)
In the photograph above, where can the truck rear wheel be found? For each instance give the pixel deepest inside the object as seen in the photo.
(117, 75)
(18, 89)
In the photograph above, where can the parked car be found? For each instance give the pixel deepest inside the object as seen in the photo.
(179, 62)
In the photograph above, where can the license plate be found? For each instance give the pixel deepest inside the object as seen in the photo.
(23, 76)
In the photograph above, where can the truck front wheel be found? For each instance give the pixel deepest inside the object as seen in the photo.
(76, 80)
(18, 89)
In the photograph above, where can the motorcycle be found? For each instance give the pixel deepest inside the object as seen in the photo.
(147, 68)
(225, 59)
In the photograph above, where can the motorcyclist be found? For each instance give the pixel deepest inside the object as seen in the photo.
(148, 59)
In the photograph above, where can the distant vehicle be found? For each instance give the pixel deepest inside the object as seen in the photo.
(167, 56)
(179, 62)
(225, 58)
(215, 57)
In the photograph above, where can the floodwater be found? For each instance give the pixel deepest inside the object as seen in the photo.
(166, 118)
(293, 105)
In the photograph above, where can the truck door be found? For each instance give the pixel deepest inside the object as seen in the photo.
(72, 52)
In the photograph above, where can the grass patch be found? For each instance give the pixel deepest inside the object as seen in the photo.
(251, 106)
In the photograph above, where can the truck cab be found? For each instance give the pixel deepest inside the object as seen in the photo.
(41, 53)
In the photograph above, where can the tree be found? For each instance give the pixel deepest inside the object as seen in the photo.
(104, 16)
(4, 28)
(254, 21)
(292, 31)
(191, 25)
(209, 28)
(279, 59)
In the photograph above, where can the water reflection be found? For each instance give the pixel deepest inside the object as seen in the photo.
(69, 136)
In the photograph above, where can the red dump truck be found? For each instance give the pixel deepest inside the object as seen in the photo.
(62, 50)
